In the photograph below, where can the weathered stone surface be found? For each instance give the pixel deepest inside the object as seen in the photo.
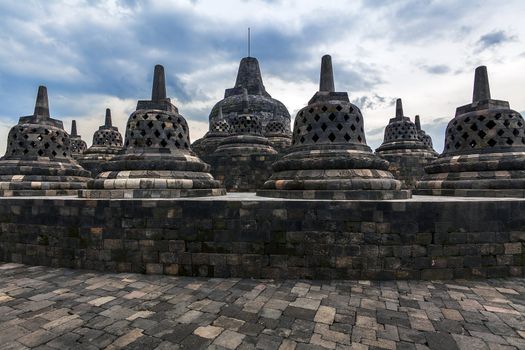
(156, 161)
(242, 235)
(107, 142)
(38, 160)
(404, 149)
(70, 321)
(484, 151)
(329, 157)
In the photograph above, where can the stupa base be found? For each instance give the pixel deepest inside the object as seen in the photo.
(470, 192)
(38, 189)
(151, 193)
(336, 194)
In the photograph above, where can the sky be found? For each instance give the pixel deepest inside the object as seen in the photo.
(94, 55)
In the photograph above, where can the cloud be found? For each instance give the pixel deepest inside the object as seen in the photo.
(436, 69)
(373, 101)
(494, 39)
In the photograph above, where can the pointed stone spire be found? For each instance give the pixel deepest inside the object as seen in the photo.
(399, 109)
(245, 101)
(481, 85)
(418, 123)
(158, 92)
(326, 81)
(249, 76)
(42, 104)
(108, 122)
(74, 128)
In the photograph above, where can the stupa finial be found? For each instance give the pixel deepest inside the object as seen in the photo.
(42, 104)
(158, 91)
(418, 123)
(108, 122)
(245, 101)
(74, 128)
(326, 81)
(399, 109)
(481, 85)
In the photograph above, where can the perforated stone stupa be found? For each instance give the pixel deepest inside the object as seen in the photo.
(243, 159)
(219, 129)
(277, 133)
(329, 157)
(261, 103)
(404, 149)
(424, 137)
(484, 152)
(38, 160)
(77, 145)
(107, 142)
(156, 161)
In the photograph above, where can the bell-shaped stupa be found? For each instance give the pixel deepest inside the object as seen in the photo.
(277, 133)
(403, 148)
(38, 160)
(261, 103)
(76, 145)
(484, 153)
(243, 160)
(156, 161)
(424, 137)
(329, 157)
(219, 129)
(107, 142)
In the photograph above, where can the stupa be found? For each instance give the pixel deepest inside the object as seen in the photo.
(156, 161)
(278, 135)
(219, 129)
(261, 102)
(329, 157)
(107, 142)
(77, 145)
(424, 137)
(484, 153)
(403, 148)
(38, 160)
(243, 159)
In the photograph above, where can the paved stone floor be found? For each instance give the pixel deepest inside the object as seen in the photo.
(48, 308)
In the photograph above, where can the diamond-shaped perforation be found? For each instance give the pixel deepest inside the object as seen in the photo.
(328, 125)
(401, 130)
(485, 130)
(155, 130)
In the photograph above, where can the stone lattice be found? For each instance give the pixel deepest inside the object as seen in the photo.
(107, 142)
(404, 149)
(262, 105)
(329, 157)
(76, 144)
(38, 159)
(156, 160)
(242, 161)
(484, 153)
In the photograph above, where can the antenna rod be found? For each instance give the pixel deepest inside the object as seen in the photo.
(248, 41)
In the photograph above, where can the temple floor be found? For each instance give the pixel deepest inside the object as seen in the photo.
(59, 308)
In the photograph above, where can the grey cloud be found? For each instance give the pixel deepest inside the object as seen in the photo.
(436, 69)
(373, 101)
(494, 39)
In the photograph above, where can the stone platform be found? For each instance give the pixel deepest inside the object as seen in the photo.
(48, 308)
(241, 235)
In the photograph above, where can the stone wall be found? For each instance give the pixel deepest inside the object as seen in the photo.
(245, 173)
(407, 168)
(252, 237)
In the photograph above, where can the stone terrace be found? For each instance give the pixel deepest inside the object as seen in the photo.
(48, 308)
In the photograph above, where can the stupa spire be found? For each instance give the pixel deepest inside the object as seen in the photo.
(326, 81)
(158, 91)
(418, 123)
(108, 122)
(399, 109)
(74, 128)
(42, 104)
(481, 85)
(220, 116)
